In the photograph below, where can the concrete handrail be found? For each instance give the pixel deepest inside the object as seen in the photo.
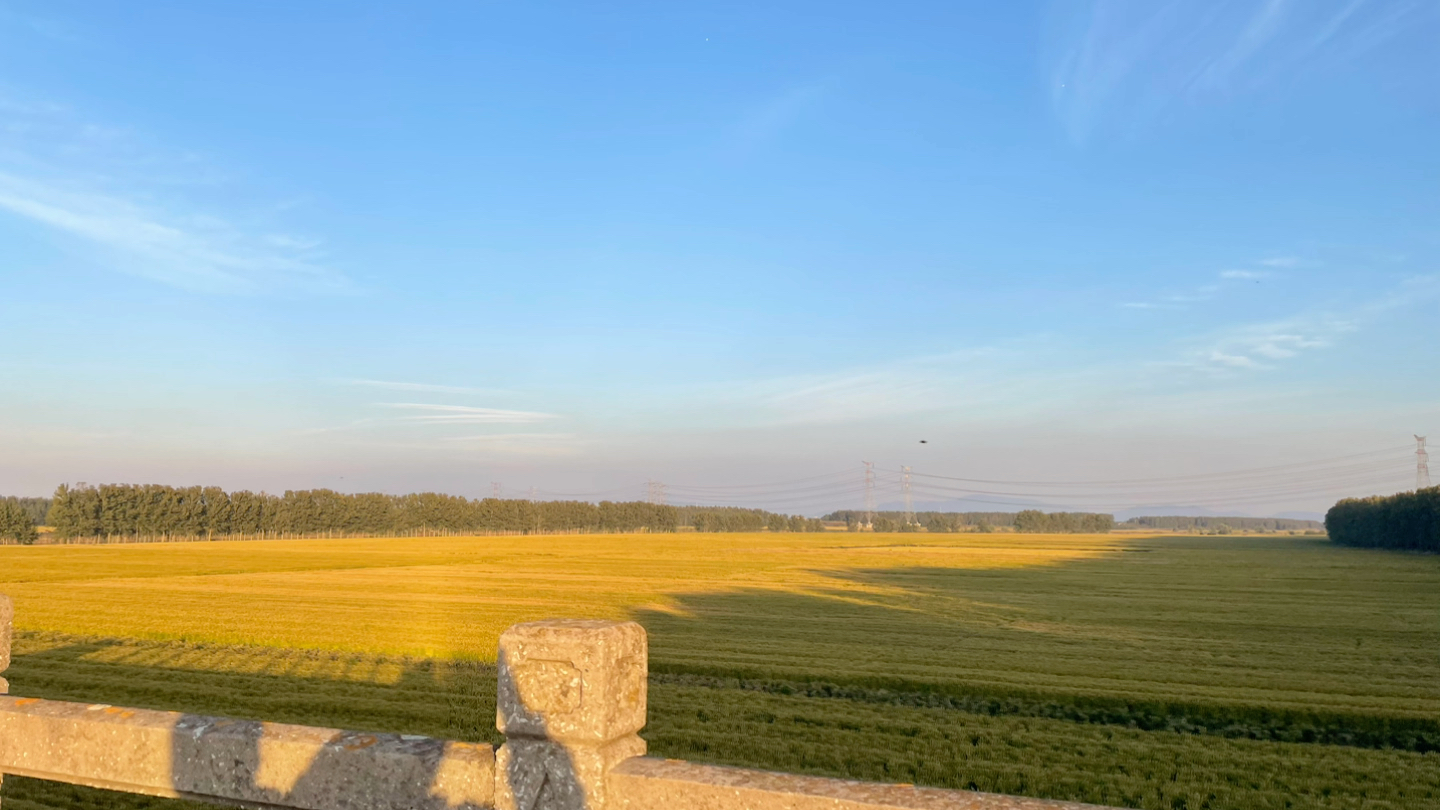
(571, 701)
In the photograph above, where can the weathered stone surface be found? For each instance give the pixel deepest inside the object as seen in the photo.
(571, 697)
(658, 784)
(239, 761)
(548, 775)
(572, 680)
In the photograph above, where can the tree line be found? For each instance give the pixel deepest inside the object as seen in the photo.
(155, 510)
(35, 508)
(1031, 520)
(17, 523)
(739, 519)
(942, 521)
(1182, 523)
(120, 510)
(1409, 521)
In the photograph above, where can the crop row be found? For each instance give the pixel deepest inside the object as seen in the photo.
(1419, 734)
(1037, 756)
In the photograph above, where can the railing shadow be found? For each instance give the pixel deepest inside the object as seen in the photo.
(302, 767)
(538, 774)
(265, 761)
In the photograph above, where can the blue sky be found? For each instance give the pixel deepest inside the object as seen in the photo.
(575, 246)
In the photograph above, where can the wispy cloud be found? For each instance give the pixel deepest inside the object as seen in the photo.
(392, 385)
(1199, 293)
(503, 438)
(416, 415)
(134, 207)
(463, 414)
(207, 255)
(1265, 346)
(968, 382)
(1220, 358)
(1119, 65)
(519, 444)
(1281, 261)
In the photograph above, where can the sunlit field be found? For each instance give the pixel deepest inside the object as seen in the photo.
(1132, 670)
(453, 596)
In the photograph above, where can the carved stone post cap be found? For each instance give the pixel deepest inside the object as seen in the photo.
(572, 680)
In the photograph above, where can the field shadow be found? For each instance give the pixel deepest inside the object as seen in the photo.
(1263, 640)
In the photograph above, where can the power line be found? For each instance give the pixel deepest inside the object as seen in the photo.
(828, 496)
(828, 476)
(1369, 471)
(869, 494)
(850, 481)
(1254, 494)
(1162, 490)
(1228, 475)
(589, 495)
(909, 497)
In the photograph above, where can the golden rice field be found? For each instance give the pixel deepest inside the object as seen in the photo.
(1132, 670)
(453, 596)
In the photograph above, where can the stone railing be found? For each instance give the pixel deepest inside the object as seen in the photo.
(571, 702)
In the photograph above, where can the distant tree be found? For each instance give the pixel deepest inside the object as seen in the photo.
(940, 522)
(1191, 523)
(16, 523)
(1035, 521)
(76, 512)
(1408, 521)
(37, 508)
(1032, 521)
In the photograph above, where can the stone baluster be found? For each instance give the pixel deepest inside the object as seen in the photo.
(571, 698)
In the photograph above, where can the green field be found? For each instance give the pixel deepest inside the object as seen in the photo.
(1132, 670)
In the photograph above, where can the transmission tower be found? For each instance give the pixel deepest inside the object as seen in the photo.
(654, 492)
(909, 498)
(495, 490)
(534, 494)
(869, 494)
(1422, 464)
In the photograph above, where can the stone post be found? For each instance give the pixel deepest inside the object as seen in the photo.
(571, 699)
(7, 613)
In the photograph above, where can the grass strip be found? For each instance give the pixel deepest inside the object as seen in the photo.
(939, 746)
(1420, 735)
